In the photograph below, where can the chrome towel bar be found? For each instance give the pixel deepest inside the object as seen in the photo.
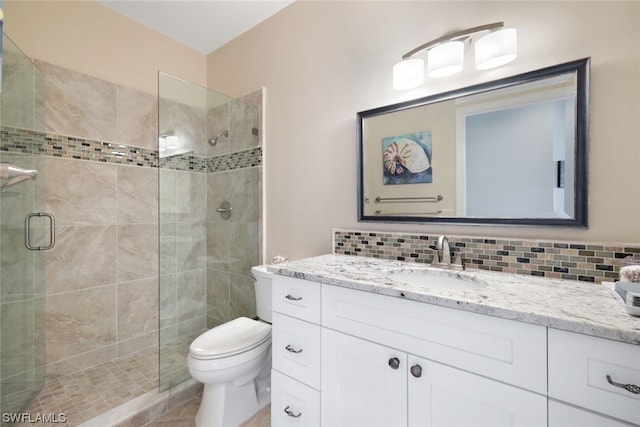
(431, 199)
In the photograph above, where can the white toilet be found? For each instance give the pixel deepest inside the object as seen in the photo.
(233, 361)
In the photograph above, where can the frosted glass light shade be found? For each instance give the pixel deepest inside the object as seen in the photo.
(445, 59)
(173, 142)
(408, 74)
(496, 49)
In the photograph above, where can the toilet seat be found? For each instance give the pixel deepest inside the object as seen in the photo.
(231, 338)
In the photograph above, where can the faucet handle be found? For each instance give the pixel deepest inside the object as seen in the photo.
(458, 261)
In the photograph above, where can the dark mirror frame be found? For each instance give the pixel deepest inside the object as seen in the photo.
(580, 67)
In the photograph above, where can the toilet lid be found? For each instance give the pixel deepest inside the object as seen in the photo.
(230, 338)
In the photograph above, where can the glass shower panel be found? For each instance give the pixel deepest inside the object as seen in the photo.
(22, 271)
(208, 150)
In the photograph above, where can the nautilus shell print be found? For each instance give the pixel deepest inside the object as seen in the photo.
(406, 159)
(404, 153)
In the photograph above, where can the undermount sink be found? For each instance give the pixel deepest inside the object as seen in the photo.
(433, 279)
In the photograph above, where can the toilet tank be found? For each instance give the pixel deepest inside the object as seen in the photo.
(262, 284)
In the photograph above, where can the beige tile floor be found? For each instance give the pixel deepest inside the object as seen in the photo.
(184, 416)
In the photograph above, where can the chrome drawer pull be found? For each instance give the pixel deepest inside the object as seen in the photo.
(292, 350)
(292, 298)
(631, 388)
(291, 414)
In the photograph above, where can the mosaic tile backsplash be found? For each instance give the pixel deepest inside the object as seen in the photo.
(566, 260)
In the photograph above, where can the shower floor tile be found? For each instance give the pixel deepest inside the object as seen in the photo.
(86, 394)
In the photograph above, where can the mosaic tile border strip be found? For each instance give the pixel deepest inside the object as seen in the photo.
(573, 261)
(185, 162)
(22, 141)
(237, 160)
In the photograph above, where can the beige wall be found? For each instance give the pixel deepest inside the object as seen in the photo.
(321, 62)
(89, 38)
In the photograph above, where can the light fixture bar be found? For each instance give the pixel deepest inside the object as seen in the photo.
(453, 36)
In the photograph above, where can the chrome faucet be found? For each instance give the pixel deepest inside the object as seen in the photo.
(442, 256)
(444, 251)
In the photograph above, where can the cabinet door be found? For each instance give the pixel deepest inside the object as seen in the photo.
(363, 384)
(563, 415)
(441, 396)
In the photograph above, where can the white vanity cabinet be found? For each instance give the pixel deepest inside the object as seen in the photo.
(371, 374)
(344, 357)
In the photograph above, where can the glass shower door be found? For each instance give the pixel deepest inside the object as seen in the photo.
(209, 187)
(25, 233)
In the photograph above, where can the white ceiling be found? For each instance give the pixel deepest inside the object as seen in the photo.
(203, 25)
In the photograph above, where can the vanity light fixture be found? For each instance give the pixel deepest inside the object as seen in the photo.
(445, 55)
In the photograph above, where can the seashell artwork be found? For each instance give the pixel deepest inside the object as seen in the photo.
(406, 159)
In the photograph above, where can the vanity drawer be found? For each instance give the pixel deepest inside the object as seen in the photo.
(293, 403)
(564, 415)
(578, 369)
(505, 350)
(296, 298)
(296, 349)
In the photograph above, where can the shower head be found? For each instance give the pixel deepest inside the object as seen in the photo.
(213, 141)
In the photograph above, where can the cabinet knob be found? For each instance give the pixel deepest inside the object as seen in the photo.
(394, 362)
(416, 371)
(290, 413)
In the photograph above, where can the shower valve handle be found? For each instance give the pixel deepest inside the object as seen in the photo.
(224, 210)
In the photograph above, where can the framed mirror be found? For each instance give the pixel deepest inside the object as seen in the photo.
(508, 152)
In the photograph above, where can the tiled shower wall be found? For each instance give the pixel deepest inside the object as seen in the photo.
(583, 261)
(233, 245)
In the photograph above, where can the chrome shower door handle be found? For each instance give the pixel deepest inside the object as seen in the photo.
(27, 231)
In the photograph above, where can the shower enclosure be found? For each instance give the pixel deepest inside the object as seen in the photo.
(22, 234)
(209, 202)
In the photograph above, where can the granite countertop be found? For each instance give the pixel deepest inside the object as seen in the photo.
(572, 306)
